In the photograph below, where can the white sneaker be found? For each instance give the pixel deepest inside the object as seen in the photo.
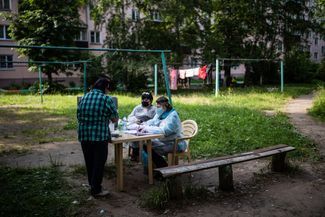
(102, 193)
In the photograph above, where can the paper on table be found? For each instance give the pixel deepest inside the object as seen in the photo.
(135, 132)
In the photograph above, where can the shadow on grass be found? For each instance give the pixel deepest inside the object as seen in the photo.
(37, 192)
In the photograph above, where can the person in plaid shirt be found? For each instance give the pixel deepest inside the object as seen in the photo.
(95, 110)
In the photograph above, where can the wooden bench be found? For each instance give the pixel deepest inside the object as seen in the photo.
(224, 164)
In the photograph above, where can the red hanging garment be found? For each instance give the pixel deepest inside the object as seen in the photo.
(202, 72)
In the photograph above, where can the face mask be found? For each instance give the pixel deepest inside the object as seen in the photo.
(145, 104)
(159, 111)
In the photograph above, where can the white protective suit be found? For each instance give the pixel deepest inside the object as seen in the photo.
(171, 127)
(141, 113)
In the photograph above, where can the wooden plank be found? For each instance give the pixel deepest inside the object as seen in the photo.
(222, 161)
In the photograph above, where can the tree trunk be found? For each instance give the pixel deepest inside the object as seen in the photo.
(248, 75)
(227, 77)
(49, 78)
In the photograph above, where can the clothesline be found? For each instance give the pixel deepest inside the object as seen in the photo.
(174, 74)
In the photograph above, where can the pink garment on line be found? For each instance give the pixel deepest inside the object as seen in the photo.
(173, 79)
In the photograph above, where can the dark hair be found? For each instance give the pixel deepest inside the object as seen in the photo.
(147, 95)
(101, 84)
(165, 100)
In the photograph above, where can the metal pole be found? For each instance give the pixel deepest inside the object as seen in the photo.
(217, 77)
(40, 81)
(83, 48)
(156, 79)
(163, 60)
(282, 78)
(85, 78)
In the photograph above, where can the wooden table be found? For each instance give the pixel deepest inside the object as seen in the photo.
(118, 147)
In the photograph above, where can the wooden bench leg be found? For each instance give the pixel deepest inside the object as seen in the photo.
(174, 187)
(226, 178)
(278, 162)
(170, 159)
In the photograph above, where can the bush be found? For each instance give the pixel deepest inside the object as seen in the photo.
(321, 71)
(318, 109)
(46, 88)
(14, 86)
(136, 82)
(299, 68)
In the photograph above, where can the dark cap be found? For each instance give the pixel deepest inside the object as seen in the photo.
(147, 95)
(161, 99)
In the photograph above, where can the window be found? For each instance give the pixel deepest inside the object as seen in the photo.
(82, 36)
(193, 62)
(135, 15)
(155, 16)
(316, 41)
(6, 61)
(4, 4)
(315, 55)
(4, 32)
(94, 37)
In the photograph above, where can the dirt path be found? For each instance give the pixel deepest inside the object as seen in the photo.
(258, 192)
(305, 124)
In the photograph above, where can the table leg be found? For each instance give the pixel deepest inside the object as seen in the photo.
(150, 169)
(119, 166)
(140, 150)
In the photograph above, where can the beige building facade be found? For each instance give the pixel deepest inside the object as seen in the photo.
(13, 73)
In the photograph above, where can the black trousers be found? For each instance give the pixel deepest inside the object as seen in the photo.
(95, 154)
(158, 160)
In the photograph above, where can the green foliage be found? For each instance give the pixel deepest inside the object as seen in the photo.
(155, 198)
(318, 109)
(321, 71)
(46, 88)
(158, 197)
(298, 67)
(47, 23)
(209, 29)
(36, 192)
(94, 69)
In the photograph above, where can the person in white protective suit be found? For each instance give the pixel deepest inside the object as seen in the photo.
(167, 122)
(140, 114)
(143, 112)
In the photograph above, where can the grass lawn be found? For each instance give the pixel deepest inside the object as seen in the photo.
(37, 192)
(230, 123)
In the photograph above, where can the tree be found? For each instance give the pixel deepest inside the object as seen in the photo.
(216, 28)
(47, 23)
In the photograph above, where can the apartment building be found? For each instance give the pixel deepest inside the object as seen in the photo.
(18, 73)
(316, 46)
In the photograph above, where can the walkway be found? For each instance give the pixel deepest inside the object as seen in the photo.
(308, 126)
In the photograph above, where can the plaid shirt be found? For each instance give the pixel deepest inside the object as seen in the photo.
(94, 112)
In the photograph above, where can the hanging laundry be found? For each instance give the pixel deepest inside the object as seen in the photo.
(203, 73)
(192, 72)
(196, 71)
(173, 79)
(182, 73)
